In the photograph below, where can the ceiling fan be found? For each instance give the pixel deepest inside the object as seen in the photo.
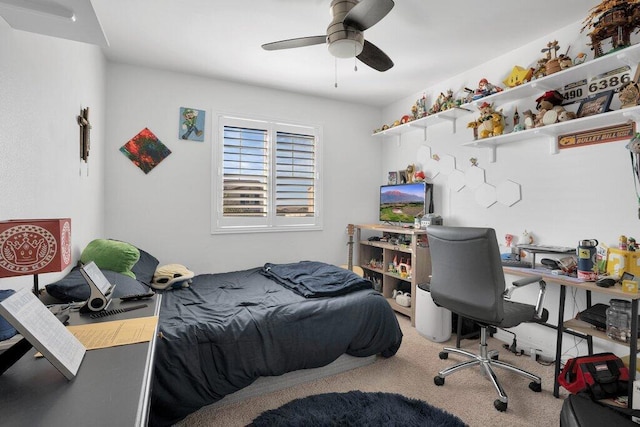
(344, 36)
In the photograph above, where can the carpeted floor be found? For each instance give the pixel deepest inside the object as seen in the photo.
(467, 395)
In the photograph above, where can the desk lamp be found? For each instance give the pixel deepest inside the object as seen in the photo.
(34, 246)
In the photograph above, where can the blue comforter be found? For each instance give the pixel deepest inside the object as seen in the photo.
(228, 329)
(313, 279)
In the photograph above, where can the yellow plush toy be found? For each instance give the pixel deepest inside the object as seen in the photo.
(172, 276)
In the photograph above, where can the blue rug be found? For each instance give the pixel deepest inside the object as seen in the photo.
(356, 408)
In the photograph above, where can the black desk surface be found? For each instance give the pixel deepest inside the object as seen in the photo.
(111, 388)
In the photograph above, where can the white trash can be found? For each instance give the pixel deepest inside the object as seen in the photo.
(432, 322)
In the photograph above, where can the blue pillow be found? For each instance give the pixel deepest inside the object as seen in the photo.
(145, 268)
(6, 330)
(73, 287)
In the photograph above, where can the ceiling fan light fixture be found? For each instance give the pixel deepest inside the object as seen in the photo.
(345, 48)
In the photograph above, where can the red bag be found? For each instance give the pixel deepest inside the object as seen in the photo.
(603, 375)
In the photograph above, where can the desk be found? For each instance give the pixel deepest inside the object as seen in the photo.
(112, 386)
(614, 292)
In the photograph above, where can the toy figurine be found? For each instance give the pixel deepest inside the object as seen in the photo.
(474, 125)
(526, 238)
(435, 108)
(541, 69)
(419, 109)
(622, 242)
(580, 58)
(553, 64)
(546, 103)
(612, 20)
(490, 122)
(629, 94)
(411, 169)
(508, 239)
(565, 115)
(518, 76)
(631, 244)
(565, 62)
(485, 89)
(529, 119)
(517, 127)
(448, 102)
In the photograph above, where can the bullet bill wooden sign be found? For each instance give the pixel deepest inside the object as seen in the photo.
(597, 136)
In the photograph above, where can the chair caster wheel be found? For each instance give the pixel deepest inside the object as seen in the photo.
(535, 386)
(438, 380)
(443, 355)
(500, 405)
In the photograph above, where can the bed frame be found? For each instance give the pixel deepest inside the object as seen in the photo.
(265, 385)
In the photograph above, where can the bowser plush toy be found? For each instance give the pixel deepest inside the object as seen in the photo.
(172, 276)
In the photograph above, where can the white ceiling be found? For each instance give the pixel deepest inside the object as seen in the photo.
(427, 40)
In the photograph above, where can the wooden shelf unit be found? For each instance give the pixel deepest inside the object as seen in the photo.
(414, 252)
(588, 329)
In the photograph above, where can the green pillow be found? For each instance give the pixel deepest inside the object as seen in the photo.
(111, 255)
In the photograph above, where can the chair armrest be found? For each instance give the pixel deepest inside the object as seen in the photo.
(527, 281)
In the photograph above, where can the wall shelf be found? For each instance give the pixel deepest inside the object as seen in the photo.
(423, 123)
(552, 131)
(629, 56)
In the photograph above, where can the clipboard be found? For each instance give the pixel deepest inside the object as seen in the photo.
(43, 330)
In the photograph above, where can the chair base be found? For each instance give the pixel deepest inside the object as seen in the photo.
(486, 360)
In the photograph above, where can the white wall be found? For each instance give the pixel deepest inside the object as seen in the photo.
(579, 193)
(167, 212)
(44, 82)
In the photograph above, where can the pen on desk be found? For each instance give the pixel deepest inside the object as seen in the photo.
(116, 311)
(133, 307)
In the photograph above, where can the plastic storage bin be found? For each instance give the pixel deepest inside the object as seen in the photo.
(432, 322)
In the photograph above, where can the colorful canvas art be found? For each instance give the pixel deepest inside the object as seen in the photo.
(191, 124)
(145, 150)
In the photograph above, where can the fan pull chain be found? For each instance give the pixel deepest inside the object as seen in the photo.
(336, 72)
(355, 58)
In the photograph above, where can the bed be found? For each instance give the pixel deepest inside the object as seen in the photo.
(227, 330)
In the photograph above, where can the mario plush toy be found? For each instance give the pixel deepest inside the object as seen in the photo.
(548, 100)
(172, 276)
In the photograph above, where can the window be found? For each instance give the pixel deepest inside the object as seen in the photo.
(266, 176)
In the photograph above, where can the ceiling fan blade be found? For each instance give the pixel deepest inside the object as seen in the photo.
(367, 13)
(292, 43)
(374, 57)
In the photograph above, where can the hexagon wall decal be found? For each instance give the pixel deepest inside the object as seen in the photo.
(485, 195)
(447, 164)
(456, 180)
(431, 168)
(473, 177)
(509, 193)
